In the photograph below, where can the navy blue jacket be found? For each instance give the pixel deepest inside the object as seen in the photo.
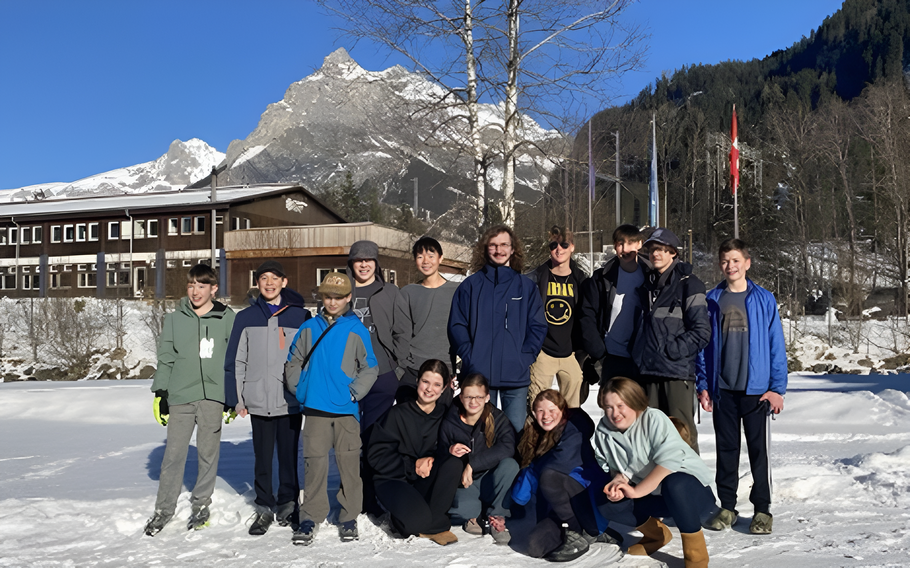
(497, 326)
(767, 349)
(256, 353)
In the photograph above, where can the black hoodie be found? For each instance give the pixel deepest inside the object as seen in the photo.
(402, 437)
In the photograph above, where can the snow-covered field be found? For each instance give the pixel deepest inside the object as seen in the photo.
(80, 462)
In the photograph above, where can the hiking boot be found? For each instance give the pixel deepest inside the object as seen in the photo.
(285, 515)
(262, 520)
(442, 539)
(572, 547)
(724, 519)
(473, 527)
(305, 533)
(609, 536)
(348, 531)
(761, 523)
(157, 522)
(199, 519)
(499, 531)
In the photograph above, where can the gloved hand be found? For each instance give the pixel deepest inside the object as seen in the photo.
(160, 407)
(229, 414)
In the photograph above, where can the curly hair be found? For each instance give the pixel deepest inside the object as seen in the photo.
(479, 257)
(536, 442)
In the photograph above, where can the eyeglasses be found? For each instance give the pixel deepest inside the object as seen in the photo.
(473, 398)
(504, 246)
(563, 244)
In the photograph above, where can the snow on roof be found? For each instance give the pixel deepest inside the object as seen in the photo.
(138, 201)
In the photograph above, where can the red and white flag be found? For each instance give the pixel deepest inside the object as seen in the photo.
(734, 156)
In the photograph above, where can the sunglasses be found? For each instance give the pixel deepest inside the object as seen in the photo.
(564, 244)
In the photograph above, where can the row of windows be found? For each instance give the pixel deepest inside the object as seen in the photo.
(139, 229)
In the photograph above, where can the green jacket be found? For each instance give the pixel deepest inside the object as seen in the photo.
(182, 371)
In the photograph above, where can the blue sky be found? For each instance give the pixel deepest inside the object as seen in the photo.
(95, 85)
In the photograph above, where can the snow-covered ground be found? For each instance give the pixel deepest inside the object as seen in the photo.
(80, 463)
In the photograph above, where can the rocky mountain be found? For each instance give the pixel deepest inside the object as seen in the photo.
(184, 163)
(382, 128)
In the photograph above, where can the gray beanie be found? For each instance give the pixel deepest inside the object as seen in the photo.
(364, 250)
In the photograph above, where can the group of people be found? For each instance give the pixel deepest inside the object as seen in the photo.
(372, 377)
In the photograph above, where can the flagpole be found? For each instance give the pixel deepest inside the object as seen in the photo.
(590, 194)
(736, 215)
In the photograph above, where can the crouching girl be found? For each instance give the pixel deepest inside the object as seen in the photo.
(482, 438)
(415, 483)
(560, 468)
(654, 467)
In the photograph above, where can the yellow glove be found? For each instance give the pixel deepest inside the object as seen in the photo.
(160, 407)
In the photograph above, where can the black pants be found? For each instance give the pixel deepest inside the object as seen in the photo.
(568, 503)
(616, 366)
(734, 410)
(682, 496)
(271, 433)
(675, 397)
(421, 506)
(379, 400)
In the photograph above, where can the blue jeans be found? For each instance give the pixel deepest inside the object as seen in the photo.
(488, 494)
(514, 404)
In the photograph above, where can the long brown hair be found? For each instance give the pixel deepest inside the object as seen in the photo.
(486, 418)
(479, 256)
(536, 442)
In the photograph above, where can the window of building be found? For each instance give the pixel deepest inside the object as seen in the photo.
(235, 223)
(88, 280)
(111, 278)
(199, 225)
(124, 278)
(93, 231)
(126, 230)
(55, 280)
(69, 233)
(81, 232)
(113, 230)
(54, 268)
(152, 227)
(139, 229)
(219, 220)
(172, 226)
(28, 280)
(125, 265)
(8, 282)
(247, 224)
(80, 267)
(186, 225)
(37, 235)
(187, 263)
(26, 236)
(67, 268)
(171, 263)
(389, 275)
(112, 266)
(13, 235)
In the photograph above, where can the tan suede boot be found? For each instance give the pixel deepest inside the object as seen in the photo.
(443, 538)
(695, 551)
(656, 536)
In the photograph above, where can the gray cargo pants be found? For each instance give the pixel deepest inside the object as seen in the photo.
(207, 415)
(320, 434)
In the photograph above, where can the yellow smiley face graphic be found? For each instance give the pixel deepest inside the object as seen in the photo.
(558, 312)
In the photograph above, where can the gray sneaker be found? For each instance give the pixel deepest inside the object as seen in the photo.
(262, 520)
(157, 522)
(499, 531)
(199, 519)
(724, 519)
(761, 523)
(473, 527)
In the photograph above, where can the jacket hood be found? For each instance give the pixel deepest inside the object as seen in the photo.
(289, 297)
(498, 274)
(217, 310)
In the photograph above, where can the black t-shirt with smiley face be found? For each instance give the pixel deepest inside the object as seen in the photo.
(559, 308)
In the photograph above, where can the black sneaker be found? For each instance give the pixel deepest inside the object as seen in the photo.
(157, 522)
(286, 515)
(609, 536)
(199, 519)
(261, 522)
(348, 531)
(573, 546)
(305, 533)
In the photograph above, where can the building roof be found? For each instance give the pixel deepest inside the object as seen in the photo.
(139, 201)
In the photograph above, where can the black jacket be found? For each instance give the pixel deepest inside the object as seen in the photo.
(540, 277)
(598, 293)
(481, 458)
(402, 437)
(676, 324)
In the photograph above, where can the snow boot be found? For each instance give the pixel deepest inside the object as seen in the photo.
(761, 523)
(347, 531)
(286, 514)
(305, 533)
(724, 519)
(199, 519)
(573, 546)
(442, 539)
(695, 551)
(656, 536)
(262, 520)
(157, 522)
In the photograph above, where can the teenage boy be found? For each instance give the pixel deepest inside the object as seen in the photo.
(254, 386)
(559, 281)
(330, 368)
(497, 324)
(421, 317)
(374, 303)
(189, 394)
(742, 378)
(611, 309)
(674, 329)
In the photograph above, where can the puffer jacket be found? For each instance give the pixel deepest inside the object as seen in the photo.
(675, 325)
(182, 371)
(257, 352)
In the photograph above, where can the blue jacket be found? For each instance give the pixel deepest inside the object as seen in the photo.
(767, 349)
(256, 353)
(340, 372)
(497, 326)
